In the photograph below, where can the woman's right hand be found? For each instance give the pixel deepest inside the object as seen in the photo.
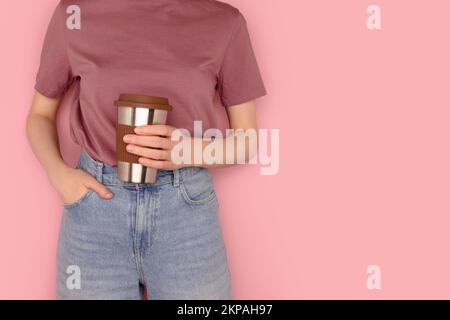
(72, 184)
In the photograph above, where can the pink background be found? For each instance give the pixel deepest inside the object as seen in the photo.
(365, 161)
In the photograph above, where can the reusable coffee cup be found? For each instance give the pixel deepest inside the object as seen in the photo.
(133, 111)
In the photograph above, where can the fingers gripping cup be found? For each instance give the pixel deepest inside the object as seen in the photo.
(133, 111)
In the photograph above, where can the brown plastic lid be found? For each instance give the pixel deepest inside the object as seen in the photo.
(142, 101)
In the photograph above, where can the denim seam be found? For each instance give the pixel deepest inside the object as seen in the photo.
(137, 238)
(153, 213)
(144, 232)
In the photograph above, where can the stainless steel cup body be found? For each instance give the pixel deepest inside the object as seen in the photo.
(137, 116)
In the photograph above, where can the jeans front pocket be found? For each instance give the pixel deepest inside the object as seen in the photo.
(198, 189)
(83, 198)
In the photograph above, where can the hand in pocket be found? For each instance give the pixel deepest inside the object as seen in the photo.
(73, 184)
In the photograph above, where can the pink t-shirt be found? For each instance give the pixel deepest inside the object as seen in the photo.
(197, 53)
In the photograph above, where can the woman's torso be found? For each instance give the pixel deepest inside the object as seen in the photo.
(167, 48)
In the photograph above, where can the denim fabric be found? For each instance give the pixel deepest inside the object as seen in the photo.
(166, 236)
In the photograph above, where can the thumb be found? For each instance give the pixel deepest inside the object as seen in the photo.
(99, 188)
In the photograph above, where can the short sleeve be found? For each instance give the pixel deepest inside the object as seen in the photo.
(54, 74)
(239, 78)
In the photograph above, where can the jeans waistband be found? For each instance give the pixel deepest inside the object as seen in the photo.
(107, 174)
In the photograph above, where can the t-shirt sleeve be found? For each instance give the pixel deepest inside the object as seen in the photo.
(54, 74)
(239, 78)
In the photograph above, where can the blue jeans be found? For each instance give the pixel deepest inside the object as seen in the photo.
(164, 236)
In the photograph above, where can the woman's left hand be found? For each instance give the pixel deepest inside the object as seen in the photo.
(154, 145)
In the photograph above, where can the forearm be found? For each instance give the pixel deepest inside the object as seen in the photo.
(43, 138)
(166, 147)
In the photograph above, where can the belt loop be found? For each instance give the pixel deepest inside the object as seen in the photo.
(99, 171)
(176, 178)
